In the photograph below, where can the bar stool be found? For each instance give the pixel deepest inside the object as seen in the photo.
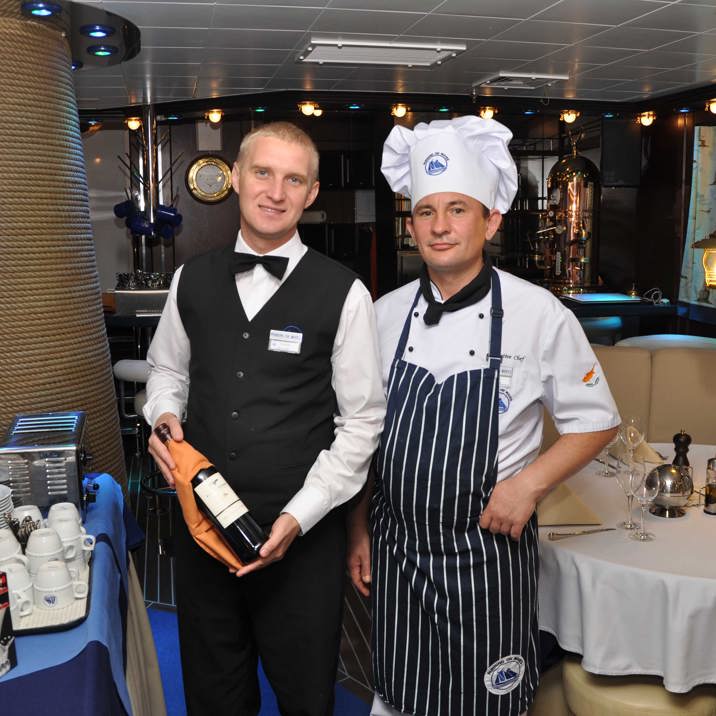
(669, 340)
(590, 695)
(137, 372)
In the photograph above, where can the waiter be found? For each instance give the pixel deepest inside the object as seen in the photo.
(470, 356)
(267, 352)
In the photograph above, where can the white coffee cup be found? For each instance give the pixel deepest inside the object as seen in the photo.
(19, 586)
(71, 533)
(10, 550)
(66, 510)
(31, 511)
(54, 587)
(45, 545)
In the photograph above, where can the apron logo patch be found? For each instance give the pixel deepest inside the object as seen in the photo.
(505, 674)
(503, 401)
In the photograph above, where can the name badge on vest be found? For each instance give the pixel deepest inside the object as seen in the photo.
(285, 341)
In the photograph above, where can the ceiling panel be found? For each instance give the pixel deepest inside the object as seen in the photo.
(460, 26)
(266, 39)
(513, 50)
(174, 36)
(558, 32)
(398, 5)
(376, 21)
(606, 12)
(690, 18)
(163, 14)
(592, 55)
(264, 17)
(520, 9)
(635, 38)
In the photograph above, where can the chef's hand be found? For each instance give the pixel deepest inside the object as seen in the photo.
(358, 556)
(158, 450)
(509, 508)
(284, 530)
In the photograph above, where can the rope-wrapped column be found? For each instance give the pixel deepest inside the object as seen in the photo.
(54, 353)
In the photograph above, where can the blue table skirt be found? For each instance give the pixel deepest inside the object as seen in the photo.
(82, 662)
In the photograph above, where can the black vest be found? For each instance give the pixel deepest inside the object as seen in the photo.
(262, 417)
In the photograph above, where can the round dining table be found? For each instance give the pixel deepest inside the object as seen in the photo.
(629, 607)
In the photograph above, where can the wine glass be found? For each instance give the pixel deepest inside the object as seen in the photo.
(632, 433)
(605, 468)
(645, 494)
(629, 478)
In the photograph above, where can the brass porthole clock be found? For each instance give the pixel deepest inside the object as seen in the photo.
(209, 179)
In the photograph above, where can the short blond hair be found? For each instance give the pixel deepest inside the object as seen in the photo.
(286, 132)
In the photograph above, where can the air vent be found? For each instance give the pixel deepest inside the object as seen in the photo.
(59, 422)
(518, 81)
(378, 52)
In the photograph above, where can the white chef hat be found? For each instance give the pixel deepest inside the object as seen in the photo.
(468, 155)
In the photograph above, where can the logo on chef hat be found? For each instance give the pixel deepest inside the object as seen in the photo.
(435, 164)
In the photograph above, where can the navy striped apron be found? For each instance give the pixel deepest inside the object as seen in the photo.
(454, 606)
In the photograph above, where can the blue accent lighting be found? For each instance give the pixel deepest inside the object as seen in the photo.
(353, 106)
(41, 9)
(608, 115)
(259, 109)
(76, 65)
(102, 50)
(530, 112)
(98, 31)
(684, 110)
(172, 117)
(443, 109)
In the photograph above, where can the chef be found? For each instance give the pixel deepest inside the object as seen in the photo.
(471, 355)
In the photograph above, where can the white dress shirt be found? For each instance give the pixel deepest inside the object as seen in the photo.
(546, 361)
(339, 472)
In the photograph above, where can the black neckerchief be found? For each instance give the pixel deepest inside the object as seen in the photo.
(471, 293)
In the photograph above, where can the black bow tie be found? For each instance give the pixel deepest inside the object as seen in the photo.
(275, 265)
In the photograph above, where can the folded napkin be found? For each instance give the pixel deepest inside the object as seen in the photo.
(643, 453)
(188, 462)
(563, 507)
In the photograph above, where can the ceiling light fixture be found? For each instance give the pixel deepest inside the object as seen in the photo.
(41, 9)
(488, 112)
(646, 119)
(259, 109)
(307, 108)
(133, 123)
(214, 115)
(317, 112)
(353, 105)
(443, 109)
(98, 31)
(568, 116)
(102, 50)
(711, 106)
(399, 110)
(505, 79)
(325, 50)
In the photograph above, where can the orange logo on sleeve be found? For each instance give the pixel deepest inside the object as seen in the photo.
(591, 378)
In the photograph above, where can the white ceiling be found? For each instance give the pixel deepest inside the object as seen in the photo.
(612, 50)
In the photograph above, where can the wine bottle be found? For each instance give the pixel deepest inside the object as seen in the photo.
(217, 500)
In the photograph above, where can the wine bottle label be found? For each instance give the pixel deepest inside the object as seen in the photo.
(221, 500)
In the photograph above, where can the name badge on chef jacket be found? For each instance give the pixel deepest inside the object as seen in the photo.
(285, 341)
(505, 376)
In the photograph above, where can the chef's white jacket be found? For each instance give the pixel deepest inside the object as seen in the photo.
(546, 361)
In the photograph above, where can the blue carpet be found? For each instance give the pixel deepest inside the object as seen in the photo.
(166, 639)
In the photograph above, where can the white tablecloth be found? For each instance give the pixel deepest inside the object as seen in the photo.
(635, 607)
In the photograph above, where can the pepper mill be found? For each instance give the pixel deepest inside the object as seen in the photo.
(682, 440)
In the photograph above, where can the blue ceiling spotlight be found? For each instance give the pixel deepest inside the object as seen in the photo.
(102, 50)
(97, 31)
(41, 9)
(76, 65)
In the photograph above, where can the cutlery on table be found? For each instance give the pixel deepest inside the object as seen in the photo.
(561, 535)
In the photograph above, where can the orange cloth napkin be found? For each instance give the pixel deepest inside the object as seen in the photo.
(188, 462)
